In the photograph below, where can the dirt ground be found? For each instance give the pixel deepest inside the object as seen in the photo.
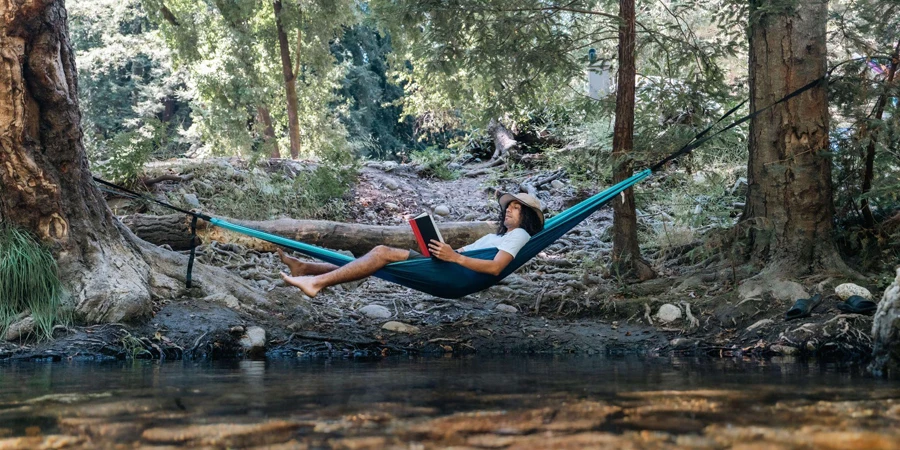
(563, 301)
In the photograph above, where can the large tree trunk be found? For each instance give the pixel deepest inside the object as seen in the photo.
(626, 256)
(290, 82)
(174, 230)
(44, 177)
(789, 203)
(504, 142)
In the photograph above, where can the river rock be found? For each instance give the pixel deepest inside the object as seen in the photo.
(844, 291)
(786, 350)
(504, 308)
(442, 210)
(557, 184)
(20, 329)
(391, 206)
(391, 184)
(400, 327)
(668, 313)
(375, 312)
(254, 341)
(191, 199)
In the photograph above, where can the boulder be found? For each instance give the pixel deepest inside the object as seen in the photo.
(375, 312)
(391, 184)
(557, 184)
(442, 210)
(844, 291)
(886, 331)
(668, 313)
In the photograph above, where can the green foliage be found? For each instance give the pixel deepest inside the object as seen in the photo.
(28, 283)
(129, 151)
(435, 162)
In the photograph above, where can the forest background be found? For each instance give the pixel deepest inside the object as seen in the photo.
(811, 186)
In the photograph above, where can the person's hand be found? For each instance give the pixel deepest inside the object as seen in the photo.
(441, 251)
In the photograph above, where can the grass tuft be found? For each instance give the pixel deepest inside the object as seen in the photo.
(29, 282)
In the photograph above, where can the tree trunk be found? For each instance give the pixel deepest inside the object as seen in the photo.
(290, 82)
(789, 202)
(268, 131)
(174, 230)
(869, 172)
(108, 274)
(626, 255)
(504, 142)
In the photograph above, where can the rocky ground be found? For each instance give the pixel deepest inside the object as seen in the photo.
(562, 301)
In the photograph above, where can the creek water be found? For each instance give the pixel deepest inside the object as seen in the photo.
(471, 402)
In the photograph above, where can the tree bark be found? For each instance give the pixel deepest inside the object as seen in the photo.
(504, 142)
(268, 130)
(789, 202)
(290, 82)
(108, 274)
(869, 173)
(626, 255)
(174, 230)
(886, 332)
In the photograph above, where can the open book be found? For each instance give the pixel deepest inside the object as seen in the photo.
(425, 230)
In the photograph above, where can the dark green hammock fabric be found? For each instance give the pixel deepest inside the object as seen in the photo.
(450, 280)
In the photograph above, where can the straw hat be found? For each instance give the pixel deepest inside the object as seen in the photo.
(525, 199)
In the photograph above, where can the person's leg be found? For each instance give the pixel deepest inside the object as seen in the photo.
(360, 268)
(298, 267)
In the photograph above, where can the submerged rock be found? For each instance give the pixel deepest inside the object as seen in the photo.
(668, 313)
(844, 291)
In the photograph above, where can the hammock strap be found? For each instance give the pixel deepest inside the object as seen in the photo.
(190, 266)
(699, 140)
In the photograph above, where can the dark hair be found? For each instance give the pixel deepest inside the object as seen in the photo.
(531, 223)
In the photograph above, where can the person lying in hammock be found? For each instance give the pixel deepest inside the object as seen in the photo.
(520, 218)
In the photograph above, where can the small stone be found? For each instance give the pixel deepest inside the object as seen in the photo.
(391, 184)
(191, 199)
(400, 327)
(683, 343)
(375, 312)
(442, 210)
(668, 313)
(391, 206)
(844, 291)
(557, 184)
(786, 350)
(506, 308)
(254, 341)
(421, 306)
(760, 324)
(470, 217)
(225, 299)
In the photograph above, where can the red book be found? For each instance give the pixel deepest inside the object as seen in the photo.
(425, 230)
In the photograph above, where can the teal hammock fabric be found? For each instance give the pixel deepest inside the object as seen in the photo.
(450, 280)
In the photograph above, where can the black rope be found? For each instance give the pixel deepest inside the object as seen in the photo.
(190, 266)
(699, 140)
(147, 197)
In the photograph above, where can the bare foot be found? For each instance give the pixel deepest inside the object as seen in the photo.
(304, 283)
(297, 267)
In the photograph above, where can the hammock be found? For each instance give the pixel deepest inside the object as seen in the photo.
(450, 280)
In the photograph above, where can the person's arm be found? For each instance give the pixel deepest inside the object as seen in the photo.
(491, 267)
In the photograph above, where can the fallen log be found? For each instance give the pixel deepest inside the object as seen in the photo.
(174, 230)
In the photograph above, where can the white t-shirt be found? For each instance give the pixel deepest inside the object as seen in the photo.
(511, 242)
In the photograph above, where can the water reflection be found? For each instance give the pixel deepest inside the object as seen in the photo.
(476, 402)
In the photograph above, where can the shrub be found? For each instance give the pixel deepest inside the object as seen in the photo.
(29, 281)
